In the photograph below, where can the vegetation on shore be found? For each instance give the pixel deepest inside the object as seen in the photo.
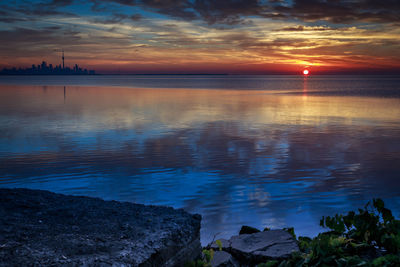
(368, 237)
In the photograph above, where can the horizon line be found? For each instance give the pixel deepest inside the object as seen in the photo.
(208, 74)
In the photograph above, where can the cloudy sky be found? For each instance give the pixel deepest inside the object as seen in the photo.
(204, 36)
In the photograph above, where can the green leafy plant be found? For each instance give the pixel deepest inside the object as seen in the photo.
(197, 263)
(387, 260)
(248, 230)
(272, 263)
(373, 225)
(290, 230)
(368, 237)
(219, 244)
(208, 255)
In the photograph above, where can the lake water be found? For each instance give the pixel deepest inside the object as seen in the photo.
(265, 151)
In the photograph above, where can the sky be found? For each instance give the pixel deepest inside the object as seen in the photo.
(204, 36)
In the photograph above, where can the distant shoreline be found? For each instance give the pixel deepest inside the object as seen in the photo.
(2, 74)
(210, 74)
(135, 74)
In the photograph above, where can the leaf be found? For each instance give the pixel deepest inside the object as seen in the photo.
(387, 260)
(219, 243)
(378, 204)
(248, 230)
(271, 263)
(387, 215)
(322, 222)
(349, 219)
(367, 205)
(208, 254)
(290, 230)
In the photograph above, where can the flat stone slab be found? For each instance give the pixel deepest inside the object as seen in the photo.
(259, 247)
(223, 259)
(40, 228)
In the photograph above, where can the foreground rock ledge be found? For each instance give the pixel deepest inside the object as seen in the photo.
(40, 228)
(252, 249)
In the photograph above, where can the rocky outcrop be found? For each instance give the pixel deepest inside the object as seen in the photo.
(39, 228)
(259, 247)
(223, 259)
(273, 244)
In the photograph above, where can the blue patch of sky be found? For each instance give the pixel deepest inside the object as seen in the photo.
(80, 9)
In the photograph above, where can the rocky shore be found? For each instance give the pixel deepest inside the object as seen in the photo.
(40, 228)
(252, 248)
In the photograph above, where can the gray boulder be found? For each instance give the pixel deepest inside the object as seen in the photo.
(223, 259)
(260, 247)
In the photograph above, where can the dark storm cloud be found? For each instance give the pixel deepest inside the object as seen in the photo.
(10, 20)
(223, 11)
(38, 11)
(233, 11)
(342, 11)
(9, 17)
(339, 11)
(13, 12)
(23, 12)
(230, 12)
(123, 2)
(175, 8)
(226, 11)
(136, 17)
(54, 28)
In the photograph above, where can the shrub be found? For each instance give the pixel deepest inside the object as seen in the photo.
(369, 237)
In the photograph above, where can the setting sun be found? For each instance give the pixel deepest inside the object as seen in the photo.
(306, 72)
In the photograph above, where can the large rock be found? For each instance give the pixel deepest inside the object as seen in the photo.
(223, 259)
(260, 247)
(39, 228)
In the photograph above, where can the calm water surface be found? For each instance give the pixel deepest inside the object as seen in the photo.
(265, 151)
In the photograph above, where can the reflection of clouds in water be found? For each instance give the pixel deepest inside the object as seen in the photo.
(273, 223)
(236, 158)
(203, 174)
(259, 197)
(95, 109)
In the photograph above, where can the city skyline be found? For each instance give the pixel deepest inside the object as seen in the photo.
(44, 69)
(205, 36)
